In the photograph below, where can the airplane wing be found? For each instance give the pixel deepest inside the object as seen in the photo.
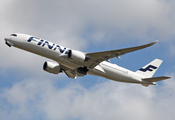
(98, 57)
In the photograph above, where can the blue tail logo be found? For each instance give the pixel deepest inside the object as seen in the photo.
(148, 68)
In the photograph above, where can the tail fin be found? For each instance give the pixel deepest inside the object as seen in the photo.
(149, 70)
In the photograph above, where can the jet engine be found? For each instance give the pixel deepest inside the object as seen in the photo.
(52, 67)
(76, 55)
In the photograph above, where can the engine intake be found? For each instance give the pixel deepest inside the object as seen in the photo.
(76, 55)
(52, 67)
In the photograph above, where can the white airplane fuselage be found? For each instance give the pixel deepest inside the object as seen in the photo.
(56, 52)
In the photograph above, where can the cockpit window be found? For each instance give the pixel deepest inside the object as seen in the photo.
(14, 35)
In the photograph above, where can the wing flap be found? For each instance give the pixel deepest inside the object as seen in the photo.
(70, 74)
(73, 73)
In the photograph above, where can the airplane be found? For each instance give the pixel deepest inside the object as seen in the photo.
(75, 63)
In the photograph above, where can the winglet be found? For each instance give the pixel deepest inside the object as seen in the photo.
(156, 41)
(152, 43)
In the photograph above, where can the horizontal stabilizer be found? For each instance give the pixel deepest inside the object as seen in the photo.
(155, 79)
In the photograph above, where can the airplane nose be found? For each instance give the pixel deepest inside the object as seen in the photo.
(6, 39)
(7, 42)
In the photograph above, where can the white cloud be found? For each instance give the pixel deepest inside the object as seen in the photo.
(152, 19)
(108, 100)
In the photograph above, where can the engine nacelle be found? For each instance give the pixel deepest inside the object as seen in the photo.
(51, 67)
(76, 55)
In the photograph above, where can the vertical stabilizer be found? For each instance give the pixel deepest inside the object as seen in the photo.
(149, 70)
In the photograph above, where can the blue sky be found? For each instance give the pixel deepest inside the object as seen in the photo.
(28, 92)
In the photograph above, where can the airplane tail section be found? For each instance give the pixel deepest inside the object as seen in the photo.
(149, 70)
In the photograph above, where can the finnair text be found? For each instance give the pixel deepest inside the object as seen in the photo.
(50, 45)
